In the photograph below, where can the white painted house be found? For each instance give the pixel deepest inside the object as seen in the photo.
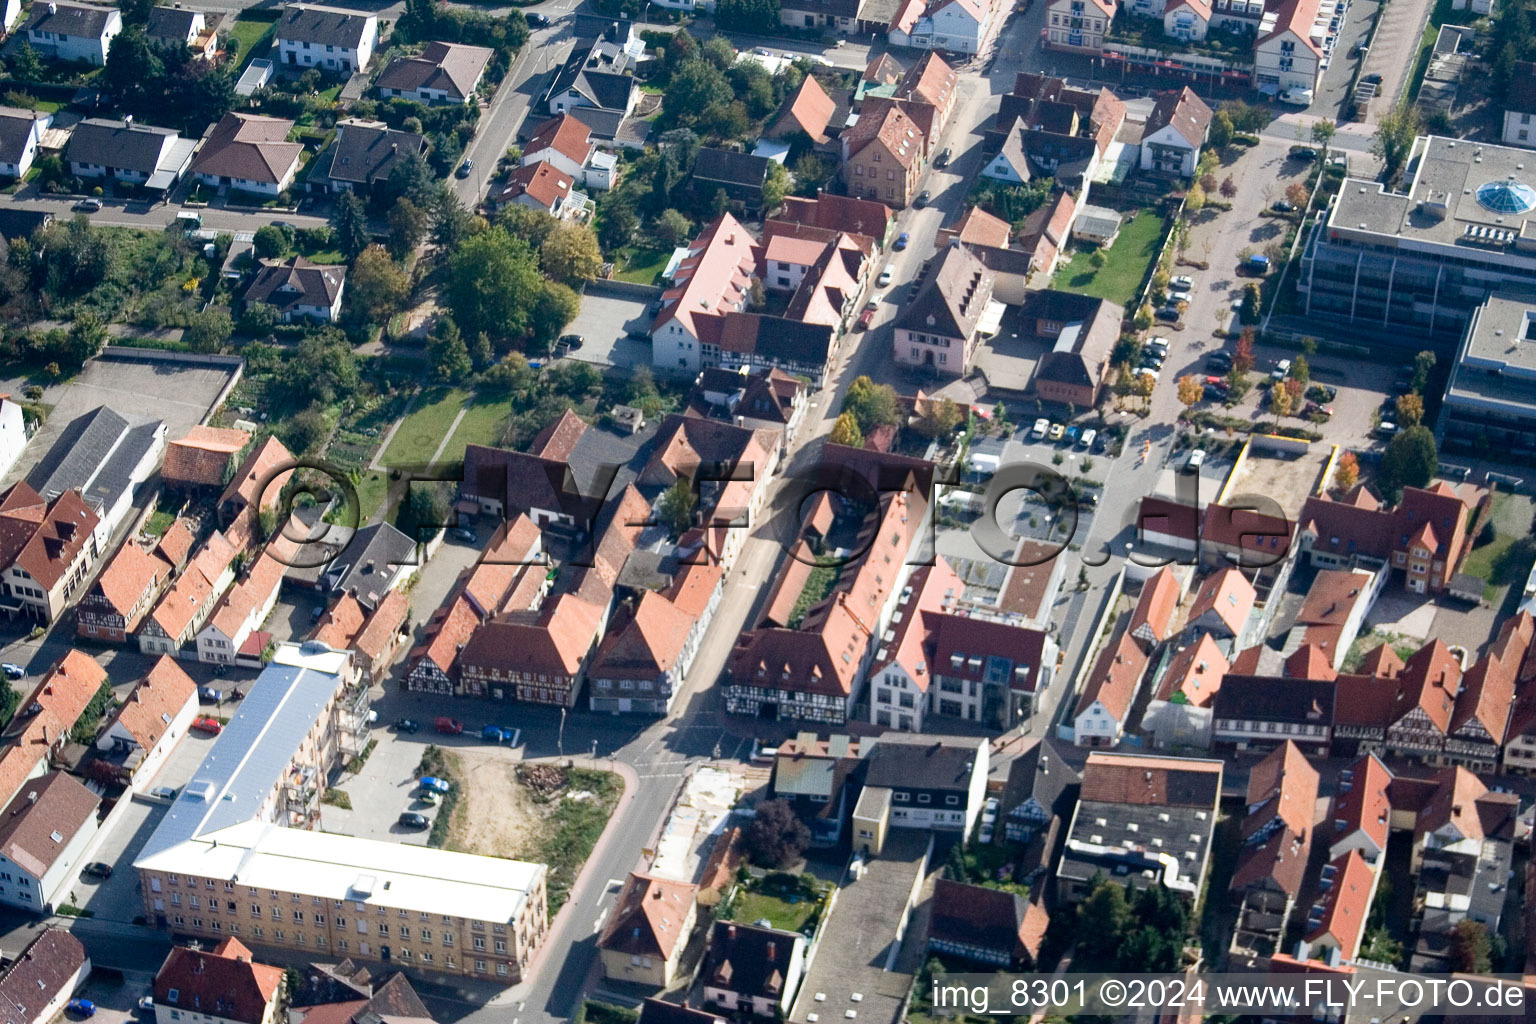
(12, 14)
(44, 831)
(958, 26)
(13, 433)
(329, 38)
(1520, 107)
(1174, 133)
(20, 133)
(146, 727)
(1290, 56)
(78, 32)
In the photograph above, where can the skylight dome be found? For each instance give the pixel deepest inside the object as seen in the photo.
(1509, 196)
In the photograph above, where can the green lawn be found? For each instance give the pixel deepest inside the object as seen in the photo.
(1121, 277)
(642, 265)
(756, 906)
(481, 425)
(372, 489)
(424, 429)
(1441, 15)
(1507, 559)
(255, 39)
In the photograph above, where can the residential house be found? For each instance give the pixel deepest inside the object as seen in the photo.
(1289, 53)
(44, 832)
(1334, 610)
(956, 26)
(46, 548)
(222, 985)
(884, 154)
(714, 277)
(647, 930)
(941, 327)
(815, 776)
(934, 783)
(1223, 602)
(145, 728)
(441, 73)
(233, 624)
(902, 672)
(540, 657)
(596, 84)
(1361, 814)
(566, 144)
(104, 458)
(372, 563)
(807, 112)
(1175, 131)
(764, 399)
(204, 457)
(760, 342)
(1425, 537)
(656, 1011)
(257, 485)
(976, 227)
(985, 671)
(178, 26)
(134, 154)
(374, 638)
(75, 32)
(21, 131)
(542, 187)
(299, 289)
(868, 222)
(1082, 332)
(43, 977)
(1036, 805)
(1421, 716)
(928, 93)
(122, 595)
(1276, 835)
(1045, 128)
(1336, 922)
(1257, 712)
(248, 153)
(642, 662)
(1109, 692)
(844, 16)
(740, 176)
(329, 38)
(752, 970)
(186, 606)
(1141, 821)
(994, 928)
(810, 663)
(1194, 673)
(363, 155)
(1187, 20)
(1520, 106)
(1078, 25)
(346, 993)
(1481, 723)
(1152, 619)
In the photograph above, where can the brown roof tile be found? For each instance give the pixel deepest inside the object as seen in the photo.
(1115, 677)
(648, 917)
(1195, 672)
(222, 982)
(36, 827)
(40, 974)
(1152, 620)
(202, 457)
(1150, 781)
(1363, 806)
(1346, 903)
(1229, 595)
(155, 702)
(131, 573)
(386, 621)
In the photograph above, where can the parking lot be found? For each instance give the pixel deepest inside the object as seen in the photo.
(605, 319)
(118, 898)
(179, 394)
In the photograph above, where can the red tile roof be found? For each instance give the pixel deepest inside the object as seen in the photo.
(1453, 805)
(42, 538)
(1153, 618)
(1150, 781)
(201, 458)
(155, 702)
(1345, 903)
(650, 641)
(386, 621)
(1363, 806)
(648, 917)
(1283, 785)
(542, 182)
(62, 695)
(713, 278)
(1228, 595)
(1364, 702)
(565, 135)
(131, 573)
(341, 623)
(448, 630)
(176, 543)
(1309, 662)
(559, 439)
(1115, 677)
(1195, 673)
(809, 110)
(884, 121)
(1381, 661)
(1429, 682)
(221, 982)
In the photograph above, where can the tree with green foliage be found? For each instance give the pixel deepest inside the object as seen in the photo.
(133, 69)
(491, 284)
(377, 288)
(1221, 129)
(1102, 919)
(532, 226)
(411, 178)
(1423, 366)
(349, 224)
(512, 378)
(675, 507)
(672, 228)
(571, 253)
(425, 511)
(871, 404)
(304, 431)
(1323, 131)
(26, 65)
(447, 352)
(1411, 460)
(1470, 948)
(1301, 370)
(1393, 140)
(408, 227)
(617, 226)
(271, 242)
(846, 431)
(775, 185)
(693, 88)
(322, 370)
(87, 336)
(208, 330)
(1249, 312)
(746, 15)
(554, 307)
(940, 418)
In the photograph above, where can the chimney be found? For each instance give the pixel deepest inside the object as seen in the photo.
(773, 951)
(730, 932)
(32, 797)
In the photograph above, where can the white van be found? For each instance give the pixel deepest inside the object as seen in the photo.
(886, 275)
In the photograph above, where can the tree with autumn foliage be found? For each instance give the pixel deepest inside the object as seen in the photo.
(1297, 195)
(846, 431)
(1410, 410)
(1280, 399)
(1242, 355)
(1191, 389)
(1228, 188)
(1346, 472)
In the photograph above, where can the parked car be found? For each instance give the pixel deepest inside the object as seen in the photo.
(1219, 383)
(1153, 358)
(494, 734)
(1304, 153)
(942, 160)
(886, 275)
(1297, 97)
(430, 798)
(466, 535)
(81, 1007)
(1042, 426)
(1257, 265)
(1281, 206)
(572, 341)
(88, 206)
(867, 317)
(448, 726)
(1219, 361)
(1057, 432)
(1147, 371)
(147, 1003)
(208, 693)
(1159, 345)
(12, 670)
(1089, 436)
(1386, 428)
(1195, 461)
(538, 20)
(96, 869)
(407, 725)
(984, 833)
(902, 240)
(1072, 434)
(208, 725)
(1182, 283)
(1281, 371)
(410, 819)
(435, 784)
(989, 811)
(1322, 392)
(922, 199)
(1175, 297)
(1169, 313)
(464, 169)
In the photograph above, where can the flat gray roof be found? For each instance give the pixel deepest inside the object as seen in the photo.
(1497, 363)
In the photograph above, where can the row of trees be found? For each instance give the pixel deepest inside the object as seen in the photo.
(164, 84)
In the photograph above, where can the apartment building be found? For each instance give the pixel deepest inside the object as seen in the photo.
(329, 38)
(48, 548)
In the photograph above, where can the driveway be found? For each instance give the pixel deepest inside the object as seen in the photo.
(383, 789)
(118, 898)
(605, 319)
(1394, 48)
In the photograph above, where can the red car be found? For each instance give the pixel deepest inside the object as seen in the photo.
(1220, 383)
(449, 726)
(865, 318)
(210, 726)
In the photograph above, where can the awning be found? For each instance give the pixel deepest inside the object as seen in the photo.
(991, 318)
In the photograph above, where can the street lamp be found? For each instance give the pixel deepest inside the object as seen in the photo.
(560, 738)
